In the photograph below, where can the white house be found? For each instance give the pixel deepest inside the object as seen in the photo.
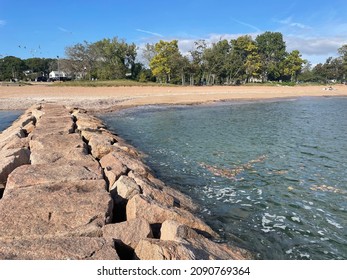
(57, 75)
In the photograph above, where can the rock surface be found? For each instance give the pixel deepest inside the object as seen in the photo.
(201, 247)
(10, 160)
(70, 189)
(54, 209)
(145, 208)
(65, 248)
(128, 233)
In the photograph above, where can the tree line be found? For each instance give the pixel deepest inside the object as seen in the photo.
(14, 68)
(229, 62)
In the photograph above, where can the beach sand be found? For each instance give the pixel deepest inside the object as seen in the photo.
(113, 98)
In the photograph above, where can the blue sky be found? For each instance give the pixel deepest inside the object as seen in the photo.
(44, 28)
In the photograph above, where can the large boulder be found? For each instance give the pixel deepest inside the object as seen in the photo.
(86, 122)
(100, 145)
(11, 159)
(45, 174)
(11, 135)
(124, 188)
(128, 233)
(54, 125)
(37, 113)
(150, 190)
(131, 162)
(181, 200)
(55, 147)
(63, 209)
(180, 242)
(153, 249)
(113, 169)
(55, 248)
(202, 247)
(142, 207)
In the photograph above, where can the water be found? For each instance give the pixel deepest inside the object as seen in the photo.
(7, 117)
(270, 176)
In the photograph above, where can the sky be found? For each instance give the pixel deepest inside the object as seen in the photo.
(316, 28)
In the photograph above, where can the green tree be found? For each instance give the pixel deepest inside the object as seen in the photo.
(245, 59)
(148, 53)
(292, 65)
(272, 50)
(114, 58)
(306, 74)
(12, 67)
(197, 65)
(331, 70)
(215, 62)
(80, 59)
(106, 59)
(343, 55)
(162, 63)
(38, 65)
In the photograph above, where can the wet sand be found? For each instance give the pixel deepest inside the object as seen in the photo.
(113, 98)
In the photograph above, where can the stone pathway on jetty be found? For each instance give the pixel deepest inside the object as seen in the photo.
(70, 189)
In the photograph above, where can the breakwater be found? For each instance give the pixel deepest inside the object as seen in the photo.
(70, 189)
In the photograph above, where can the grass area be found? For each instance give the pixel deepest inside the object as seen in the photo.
(113, 83)
(285, 84)
(8, 84)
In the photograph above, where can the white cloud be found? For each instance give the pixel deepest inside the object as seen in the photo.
(314, 49)
(62, 29)
(290, 23)
(247, 24)
(149, 32)
(2, 22)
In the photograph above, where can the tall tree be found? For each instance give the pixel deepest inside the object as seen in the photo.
(80, 59)
(115, 58)
(11, 67)
(105, 59)
(343, 55)
(215, 58)
(148, 53)
(272, 50)
(292, 65)
(162, 64)
(197, 66)
(245, 62)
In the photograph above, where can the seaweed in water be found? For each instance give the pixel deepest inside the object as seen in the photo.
(232, 173)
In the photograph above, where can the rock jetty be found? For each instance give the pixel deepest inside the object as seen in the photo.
(70, 189)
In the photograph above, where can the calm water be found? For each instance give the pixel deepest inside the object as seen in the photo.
(7, 117)
(270, 176)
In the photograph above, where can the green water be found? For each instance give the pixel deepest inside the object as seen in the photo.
(268, 176)
(7, 117)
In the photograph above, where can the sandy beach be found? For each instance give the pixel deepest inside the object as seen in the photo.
(113, 98)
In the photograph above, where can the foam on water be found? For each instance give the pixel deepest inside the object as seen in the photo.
(335, 224)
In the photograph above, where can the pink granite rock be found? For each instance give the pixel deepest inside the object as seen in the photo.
(57, 248)
(142, 207)
(128, 233)
(61, 209)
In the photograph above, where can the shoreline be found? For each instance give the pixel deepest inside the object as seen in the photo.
(107, 99)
